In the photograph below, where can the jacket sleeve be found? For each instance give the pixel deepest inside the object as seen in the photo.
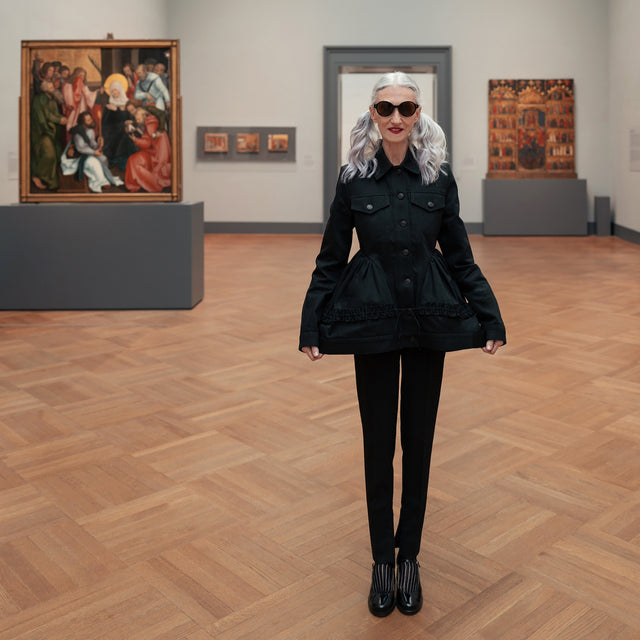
(454, 242)
(330, 264)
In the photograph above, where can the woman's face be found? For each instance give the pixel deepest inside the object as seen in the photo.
(115, 93)
(395, 129)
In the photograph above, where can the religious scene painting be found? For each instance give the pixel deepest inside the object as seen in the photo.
(531, 129)
(100, 120)
(278, 142)
(248, 142)
(216, 142)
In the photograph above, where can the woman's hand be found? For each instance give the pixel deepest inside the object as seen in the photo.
(492, 346)
(313, 353)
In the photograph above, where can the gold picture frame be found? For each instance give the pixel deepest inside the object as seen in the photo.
(100, 120)
(278, 142)
(531, 128)
(216, 143)
(248, 143)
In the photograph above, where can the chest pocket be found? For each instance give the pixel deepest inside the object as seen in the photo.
(427, 201)
(369, 204)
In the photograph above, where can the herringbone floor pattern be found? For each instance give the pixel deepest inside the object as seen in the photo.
(188, 475)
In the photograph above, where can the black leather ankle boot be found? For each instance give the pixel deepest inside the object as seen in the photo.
(382, 597)
(409, 589)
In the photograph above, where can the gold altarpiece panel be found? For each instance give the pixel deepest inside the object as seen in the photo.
(531, 129)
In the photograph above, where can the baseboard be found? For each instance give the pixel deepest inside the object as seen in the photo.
(284, 228)
(626, 234)
(291, 227)
(281, 228)
(474, 228)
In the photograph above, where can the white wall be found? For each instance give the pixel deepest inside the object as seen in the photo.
(624, 99)
(259, 62)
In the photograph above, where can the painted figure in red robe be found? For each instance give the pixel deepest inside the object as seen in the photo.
(150, 167)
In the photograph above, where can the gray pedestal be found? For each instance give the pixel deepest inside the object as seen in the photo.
(101, 256)
(602, 210)
(535, 207)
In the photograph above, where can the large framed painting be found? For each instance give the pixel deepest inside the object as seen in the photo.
(531, 129)
(100, 120)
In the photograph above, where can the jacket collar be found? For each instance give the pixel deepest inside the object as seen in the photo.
(384, 166)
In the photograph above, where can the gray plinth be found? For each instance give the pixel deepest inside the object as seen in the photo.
(602, 210)
(101, 256)
(535, 207)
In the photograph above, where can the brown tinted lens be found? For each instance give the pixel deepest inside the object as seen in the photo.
(384, 108)
(407, 109)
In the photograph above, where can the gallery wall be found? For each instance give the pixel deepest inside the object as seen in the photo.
(259, 63)
(624, 99)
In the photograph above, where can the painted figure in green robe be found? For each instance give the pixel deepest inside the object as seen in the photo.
(46, 142)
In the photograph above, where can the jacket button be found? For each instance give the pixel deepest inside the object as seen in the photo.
(405, 252)
(430, 204)
(369, 207)
(403, 223)
(401, 196)
(407, 282)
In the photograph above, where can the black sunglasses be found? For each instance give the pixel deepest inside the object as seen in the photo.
(386, 108)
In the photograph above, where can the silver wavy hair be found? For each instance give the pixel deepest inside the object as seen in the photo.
(427, 141)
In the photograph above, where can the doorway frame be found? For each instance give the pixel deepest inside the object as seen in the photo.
(393, 57)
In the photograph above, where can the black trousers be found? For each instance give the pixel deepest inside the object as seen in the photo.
(378, 383)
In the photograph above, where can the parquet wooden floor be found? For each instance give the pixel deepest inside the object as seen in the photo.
(188, 475)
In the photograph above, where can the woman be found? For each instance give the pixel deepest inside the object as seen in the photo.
(117, 143)
(399, 305)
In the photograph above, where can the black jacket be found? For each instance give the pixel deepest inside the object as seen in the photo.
(398, 291)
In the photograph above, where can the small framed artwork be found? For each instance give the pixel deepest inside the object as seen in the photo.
(278, 142)
(216, 143)
(248, 143)
(100, 120)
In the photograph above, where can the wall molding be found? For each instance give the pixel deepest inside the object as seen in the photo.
(474, 228)
(264, 227)
(626, 234)
(290, 227)
(311, 228)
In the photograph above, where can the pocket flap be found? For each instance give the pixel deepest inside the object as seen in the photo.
(428, 201)
(369, 204)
